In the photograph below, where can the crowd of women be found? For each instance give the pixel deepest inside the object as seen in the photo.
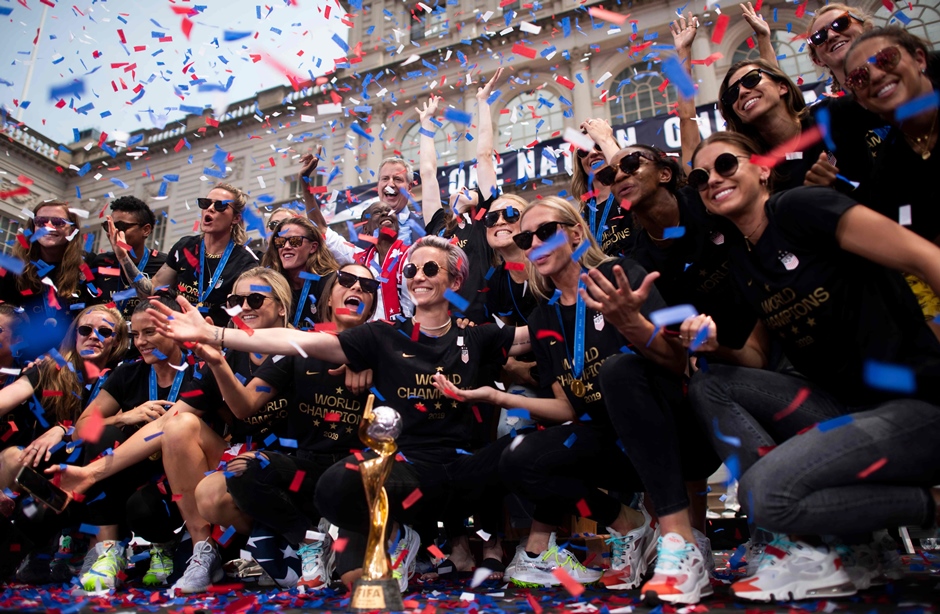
(767, 300)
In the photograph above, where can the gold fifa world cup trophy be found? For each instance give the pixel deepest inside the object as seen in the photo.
(377, 589)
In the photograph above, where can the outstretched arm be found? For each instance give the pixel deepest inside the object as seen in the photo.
(683, 33)
(557, 409)
(486, 166)
(191, 327)
(430, 188)
(762, 29)
(15, 394)
(309, 164)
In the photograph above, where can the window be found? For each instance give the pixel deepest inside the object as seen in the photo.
(157, 237)
(9, 226)
(923, 15)
(445, 142)
(527, 117)
(792, 57)
(640, 94)
(427, 24)
(296, 185)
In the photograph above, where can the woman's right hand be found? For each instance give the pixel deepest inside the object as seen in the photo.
(75, 479)
(116, 238)
(186, 327)
(699, 334)
(147, 411)
(599, 130)
(683, 33)
(483, 93)
(40, 449)
(756, 21)
(428, 111)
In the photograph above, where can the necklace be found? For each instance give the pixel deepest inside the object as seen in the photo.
(921, 144)
(424, 329)
(747, 237)
(654, 238)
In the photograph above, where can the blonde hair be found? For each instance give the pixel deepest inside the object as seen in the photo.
(867, 24)
(69, 267)
(280, 287)
(68, 379)
(542, 286)
(238, 204)
(320, 261)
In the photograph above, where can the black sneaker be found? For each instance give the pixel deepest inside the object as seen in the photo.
(35, 569)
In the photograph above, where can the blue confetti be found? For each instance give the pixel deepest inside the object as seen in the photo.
(831, 425)
(679, 77)
(919, 105)
(731, 441)
(886, 376)
(674, 232)
(456, 300)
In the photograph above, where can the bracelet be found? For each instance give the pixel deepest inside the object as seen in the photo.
(65, 431)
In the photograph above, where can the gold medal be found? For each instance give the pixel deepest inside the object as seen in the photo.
(577, 387)
(199, 304)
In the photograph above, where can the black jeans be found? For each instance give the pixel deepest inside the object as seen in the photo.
(658, 430)
(262, 491)
(449, 484)
(563, 465)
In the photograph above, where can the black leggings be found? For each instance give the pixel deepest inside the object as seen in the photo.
(448, 484)
(262, 491)
(657, 428)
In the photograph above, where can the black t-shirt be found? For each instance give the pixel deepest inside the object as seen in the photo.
(618, 232)
(308, 303)
(791, 172)
(471, 238)
(402, 369)
(267, 419)
(856, 133)
(322, 415)
(553, 356)
(831, 309)
(48, 320)
(695, 269)
(511, 301)
(109, 284)
(184, 259)
(129, 384)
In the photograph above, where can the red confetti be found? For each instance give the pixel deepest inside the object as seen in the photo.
(332, 416)
(565, 82)
(801, 396)
(297, 481)
(533, 604)
(583, 510)
(571, 585)
(606, 15)
(339, 544)
(721, 26)
(92, 427)
(411, 499)
(801, 10)
(524, 51)
(436, 552)
(515, 266)
(553, 334)
(875, 466)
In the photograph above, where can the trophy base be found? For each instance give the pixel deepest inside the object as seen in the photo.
(371, 595)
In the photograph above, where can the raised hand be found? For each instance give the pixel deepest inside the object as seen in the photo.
(429, 110)
(755, 20)
(620, 304)
(309, 162)
(822, 173)
(599, 130)
(483, 93)
(683, 33)
(116, 238)
(188, 326)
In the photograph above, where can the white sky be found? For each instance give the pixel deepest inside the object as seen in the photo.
(69, 39)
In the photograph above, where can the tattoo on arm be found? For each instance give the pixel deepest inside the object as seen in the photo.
(143, 284)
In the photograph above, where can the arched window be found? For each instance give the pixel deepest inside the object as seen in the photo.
(792, 57)
(530, 115)
(637, 93)
(445, 142)
(923, 20)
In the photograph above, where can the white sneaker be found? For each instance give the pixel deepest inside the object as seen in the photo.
(862, 564)
(316, 560)
(680, 575)
(203, 569)
(755, 549)
(793, 571)
(705, 547)
(630, 555)
(409, 543)
(536, 572)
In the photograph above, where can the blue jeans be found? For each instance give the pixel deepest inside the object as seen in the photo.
(871, 473)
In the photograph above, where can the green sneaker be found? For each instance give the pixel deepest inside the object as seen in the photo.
(108, 568)
(161, 565)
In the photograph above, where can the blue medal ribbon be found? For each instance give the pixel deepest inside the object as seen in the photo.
(599, 229)
(304, 292)
(577, 359)
(204, 293)
(174, 389)
(97, 388)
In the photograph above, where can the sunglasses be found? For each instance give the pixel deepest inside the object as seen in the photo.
(296, 241)
(220, 205)
(726, 165)
(509, 214)
(104, 333)
(839, 24)
(430, 268)
(348, 280)
(125, 226)
(629, 164)
(885, 60)
(544, 232)
(255, 300)
(582, 153)
(274, 224)
(42, 221)
(749, 80)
